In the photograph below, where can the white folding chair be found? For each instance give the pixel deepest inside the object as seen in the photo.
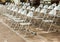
(32, 9)
(11, 16)
(42, 15)
(29, 7)
(45, 6)
(50, 8)
(27, 4)
(19, 12)
(19, 20)
(30, 14)
(24, 7)
(8, 9)
(20, 3)
(15, 11)
(37, 9)
(37, 12)
(48, 21)
(23, 13)
(41, 6)
(23, 3)
(54, 5)
(7, 13)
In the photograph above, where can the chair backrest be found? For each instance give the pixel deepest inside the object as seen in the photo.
(23, 3)
(12, 8)
(24, 12)
(52, 12)
(37, 9)
(27, 4)
(16, 9)
(9, 7)
(50, 7)
(54, 4)
(44, 11)
(20, 3)
(24, 7)
(29, 7)
(57, 8)
(20, 10)
(30, 14)
(45, 7)
(41, 5)
(58, 4)
(32, 9)
(51, 15)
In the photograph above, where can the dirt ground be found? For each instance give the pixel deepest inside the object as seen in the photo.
(6, 35)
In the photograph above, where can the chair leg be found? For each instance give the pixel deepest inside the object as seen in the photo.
(11, 25)
(49, 28)
(16, 26)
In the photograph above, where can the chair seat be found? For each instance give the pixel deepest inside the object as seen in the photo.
(57, 15)
(19, 20)
(37, 18)
(8, 8)
(15, 10)
(48, 20)
(5, 14)
(25, 23)
(9, 16)
(14, 18)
